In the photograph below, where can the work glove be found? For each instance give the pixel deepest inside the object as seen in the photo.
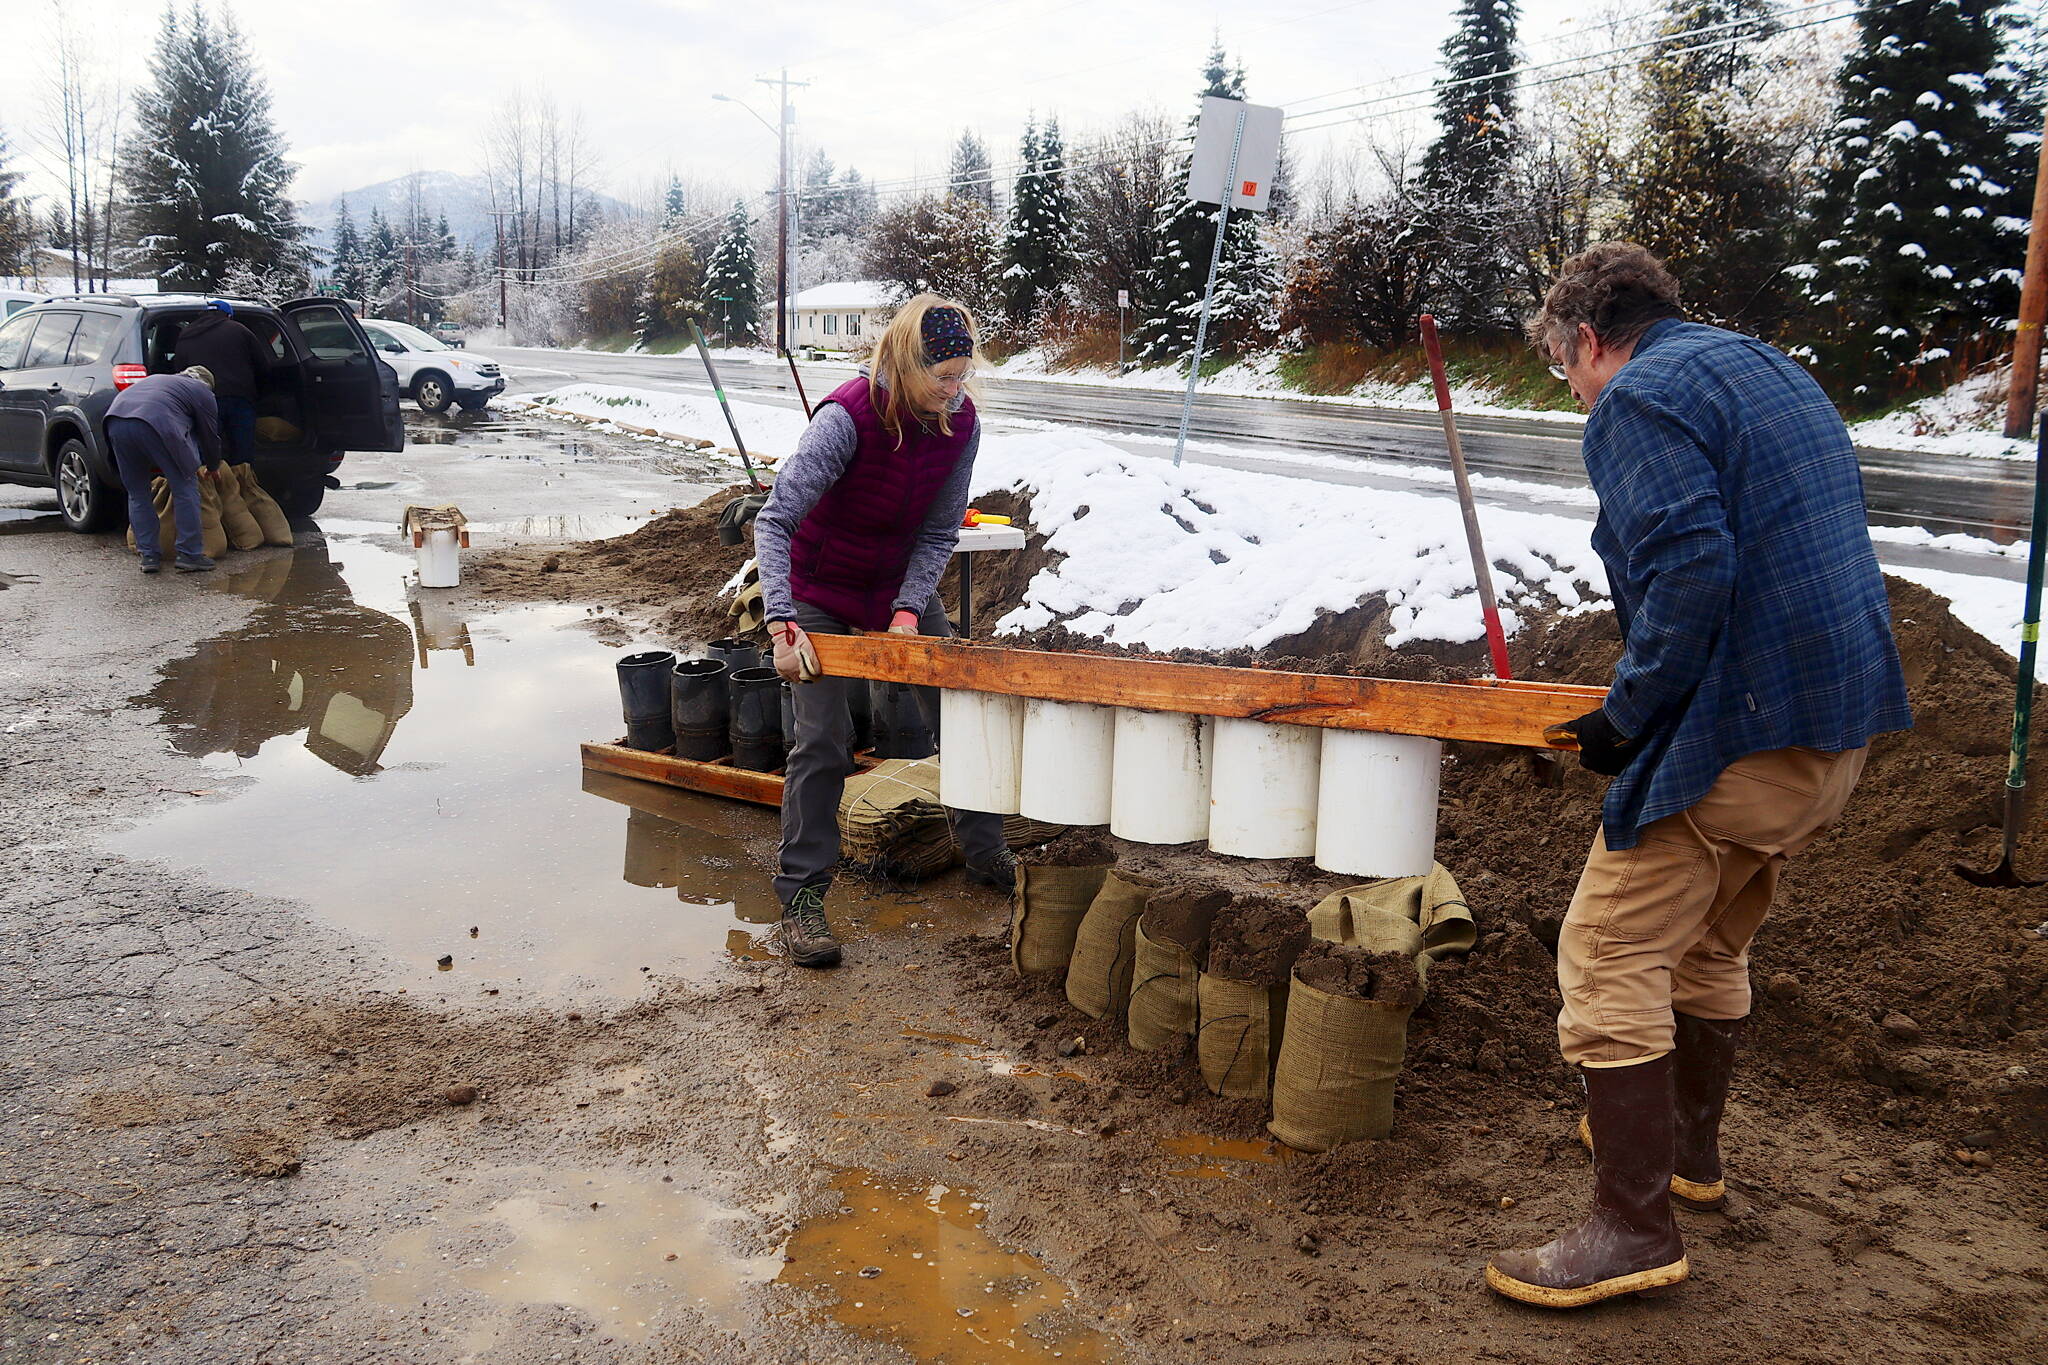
(1602, 748)
(796, 658)
(904, 623)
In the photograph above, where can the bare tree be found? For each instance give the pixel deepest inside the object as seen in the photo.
(83, 120)
(1118, 186)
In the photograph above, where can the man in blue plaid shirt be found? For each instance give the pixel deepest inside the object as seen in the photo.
(1758, 661)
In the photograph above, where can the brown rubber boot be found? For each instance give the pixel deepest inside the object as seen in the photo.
(1703, 1061)
(1629, 1243)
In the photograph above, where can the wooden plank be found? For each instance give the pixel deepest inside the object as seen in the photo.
(713, 779)
(1483, 710)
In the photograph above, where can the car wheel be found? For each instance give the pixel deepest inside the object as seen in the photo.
(474, 404)
(431, 392)
(303, 499)
(87, 503)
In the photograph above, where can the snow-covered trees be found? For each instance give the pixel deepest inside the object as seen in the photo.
(1465, 171)
(1119, 181)
(1368, 267)
(17, 218)
(206, 179)
(1244, 304)
(949, 245)
(732, 284)
(1038, 248)
(1921, 223)
(345, 254)
(972, 177)
(672, 293)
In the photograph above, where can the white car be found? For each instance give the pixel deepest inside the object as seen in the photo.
(433, 373)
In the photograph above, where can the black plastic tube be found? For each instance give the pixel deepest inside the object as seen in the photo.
(898, 722)
(756, 720)
(698, 709)
(643, 694)
(735, 654)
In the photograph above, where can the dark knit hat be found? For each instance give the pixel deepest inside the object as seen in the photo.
(945, 335)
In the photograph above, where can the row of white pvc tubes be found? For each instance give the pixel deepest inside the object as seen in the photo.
(1360, 802)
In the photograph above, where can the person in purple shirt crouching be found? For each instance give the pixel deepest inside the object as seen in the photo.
(166, 424)
(861, 522)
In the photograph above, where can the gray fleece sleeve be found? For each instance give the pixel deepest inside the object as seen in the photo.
(822, 455)
(940, 534)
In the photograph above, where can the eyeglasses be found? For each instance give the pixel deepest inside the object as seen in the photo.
(1557, 373)
(960, 378)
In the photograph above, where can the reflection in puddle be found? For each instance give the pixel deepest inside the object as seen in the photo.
(1208, 1154)
(626, 1251)
(585, 527)
(406, 804)
(946, 1293)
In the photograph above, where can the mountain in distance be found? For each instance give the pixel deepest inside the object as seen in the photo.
(466, 199)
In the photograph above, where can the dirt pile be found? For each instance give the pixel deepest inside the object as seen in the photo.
(1076, 848)
(1181, 914)
(1257, 938)
(1386, 977)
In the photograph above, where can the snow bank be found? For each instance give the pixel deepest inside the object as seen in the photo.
(1206, 558)
(1965, 419)
(770, 429)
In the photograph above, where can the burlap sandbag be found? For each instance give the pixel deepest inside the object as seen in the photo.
(1341, 1051)
(240, 525)
(210, 530)
(277, 528)
(1239, 1034)
(1171, 945)
(892, 825)
(1424, 917)
(1052, 900)
(1105, 946)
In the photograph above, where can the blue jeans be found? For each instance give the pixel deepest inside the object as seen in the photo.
(139, 453)
(237, 428)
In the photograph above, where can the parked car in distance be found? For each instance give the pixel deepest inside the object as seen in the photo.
(12, 301)
(431, 373)
(450, 333)
(63, 360)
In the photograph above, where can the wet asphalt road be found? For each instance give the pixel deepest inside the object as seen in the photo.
(1946, 494)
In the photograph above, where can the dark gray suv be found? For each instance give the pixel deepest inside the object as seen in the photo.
(63, 360)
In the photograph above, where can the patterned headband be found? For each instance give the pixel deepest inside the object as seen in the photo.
(945, 335)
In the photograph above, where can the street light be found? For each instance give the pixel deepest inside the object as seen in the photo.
(781, 203)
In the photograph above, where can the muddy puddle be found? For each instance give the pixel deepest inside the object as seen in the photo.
(411, 774)
(628, 1250)
(1199, 1156)
(909, 1265)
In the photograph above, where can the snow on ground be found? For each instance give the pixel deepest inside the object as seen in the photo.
(1202, 557)
(1965, 419)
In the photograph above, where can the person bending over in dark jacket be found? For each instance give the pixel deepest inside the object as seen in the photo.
(238, 360)
(861, 521)
(166, 423)
(1757, 663)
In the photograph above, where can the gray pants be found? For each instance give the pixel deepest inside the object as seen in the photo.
(816, 776)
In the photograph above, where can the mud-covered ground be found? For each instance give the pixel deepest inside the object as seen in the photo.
(248, 1115)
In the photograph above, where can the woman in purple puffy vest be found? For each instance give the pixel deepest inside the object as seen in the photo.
(859, 526)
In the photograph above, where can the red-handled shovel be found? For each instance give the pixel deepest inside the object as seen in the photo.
(1496, 639)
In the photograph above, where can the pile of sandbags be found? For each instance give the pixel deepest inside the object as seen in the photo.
(234, 512)
(892, 825)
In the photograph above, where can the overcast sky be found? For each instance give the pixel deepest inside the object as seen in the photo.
(372, 89)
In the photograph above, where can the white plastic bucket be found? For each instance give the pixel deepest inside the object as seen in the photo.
(1376, 810)
(1262, 789)
(1160, 794)
(981, 746)
(439, 559)
(1066, 768)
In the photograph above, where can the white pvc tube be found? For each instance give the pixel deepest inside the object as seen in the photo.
(1161, 790)
(1376, 808)
(439, 560)
(981, 746)
(1262, 789)
(1066, 767)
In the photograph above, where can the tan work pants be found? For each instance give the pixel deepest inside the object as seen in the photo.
(1666, 925)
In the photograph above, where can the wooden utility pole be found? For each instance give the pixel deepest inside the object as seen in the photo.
(2026, 343)
(782, 209)
(498, 217)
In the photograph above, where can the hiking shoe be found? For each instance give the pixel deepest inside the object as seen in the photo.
(805, 933)
(194, 564)
(999, 871)
(152, 566)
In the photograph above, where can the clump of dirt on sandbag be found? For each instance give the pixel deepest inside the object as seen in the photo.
(1339, 969)
(1256, 939)
(1076, 848)
(1181, 914)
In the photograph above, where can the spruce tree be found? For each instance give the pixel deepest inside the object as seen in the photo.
(1172, 289)
(444, 239)
(1922, 218)
(1711, 201)
(732, 279)
(1037, 251)
(1466, 170)
(345, 256)
(675, 205)
(972, 177)
(380, 258)
(17, 219)
(857, 203)
(205, 175)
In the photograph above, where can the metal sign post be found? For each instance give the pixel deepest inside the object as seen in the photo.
(1123, 302)
(1253, 154)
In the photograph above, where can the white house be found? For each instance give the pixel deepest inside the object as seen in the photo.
(840, 317)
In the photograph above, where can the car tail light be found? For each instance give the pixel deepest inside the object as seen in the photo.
(124, 375)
